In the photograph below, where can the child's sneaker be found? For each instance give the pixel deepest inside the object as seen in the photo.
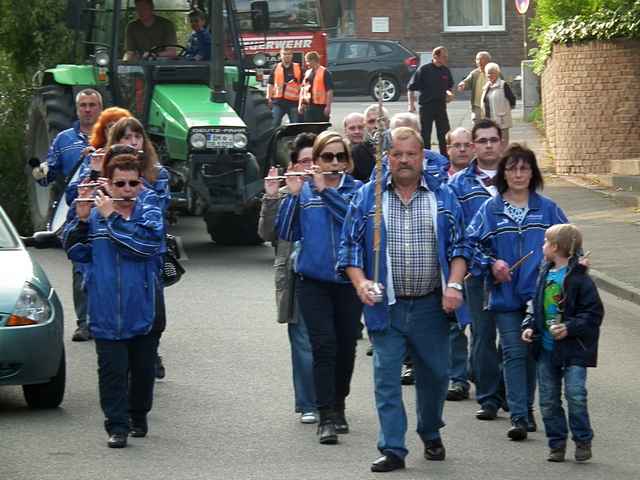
(557, 454)
(583, 451)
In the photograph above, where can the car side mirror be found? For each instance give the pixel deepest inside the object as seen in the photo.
(43, 239)
(260, 16)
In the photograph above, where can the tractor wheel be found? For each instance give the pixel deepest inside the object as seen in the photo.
(230, 229)
(260, 127)
(52, 110)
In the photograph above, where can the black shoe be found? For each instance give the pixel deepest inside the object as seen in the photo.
(387, 463)
(370, 351)
(117, 440)
(434, 450)
(327, 433)
(138, 428)
(487, 412)
(341, 424)
(160, 371)
(82, 334)
(518, 431)
(583, 451)
(557, 454)
(532, 426)
(457, 392)
(407, 377)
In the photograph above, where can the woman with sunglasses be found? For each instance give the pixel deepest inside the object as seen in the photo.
(118, 234)
(507, 234)
(128, 136)
(312, 214)
(301, 159)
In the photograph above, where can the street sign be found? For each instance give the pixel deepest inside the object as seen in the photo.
(522, 6)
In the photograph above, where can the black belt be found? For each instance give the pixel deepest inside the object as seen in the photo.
(416, 297)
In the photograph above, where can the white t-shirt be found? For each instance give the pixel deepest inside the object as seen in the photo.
(491, 188)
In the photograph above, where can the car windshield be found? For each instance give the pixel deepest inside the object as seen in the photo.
(283, 14)
(7, 239)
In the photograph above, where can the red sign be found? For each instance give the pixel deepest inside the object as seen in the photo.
(522, 6)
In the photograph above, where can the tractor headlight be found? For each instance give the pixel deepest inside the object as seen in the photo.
(259, 60)
(240, 141)
(102, 58)
(198, 140)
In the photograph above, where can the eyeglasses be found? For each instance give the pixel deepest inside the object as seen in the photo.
(460, 145)
(122, 183)
(328, 157)
(484, 141)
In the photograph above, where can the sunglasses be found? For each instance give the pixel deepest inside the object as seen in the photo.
(122, 183)
(328, 157)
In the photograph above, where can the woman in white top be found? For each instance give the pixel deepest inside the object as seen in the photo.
(498, 100)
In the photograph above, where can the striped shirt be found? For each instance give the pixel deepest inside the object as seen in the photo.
(412, 243)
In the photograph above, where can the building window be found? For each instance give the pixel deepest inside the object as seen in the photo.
(473, 15)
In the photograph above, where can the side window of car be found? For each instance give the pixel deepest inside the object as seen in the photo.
(357, 50)
(384, 49)
(332, 52)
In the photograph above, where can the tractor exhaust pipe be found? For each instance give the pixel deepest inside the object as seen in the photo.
(216, 67)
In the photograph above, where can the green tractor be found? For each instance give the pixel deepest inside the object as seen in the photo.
(208, 120)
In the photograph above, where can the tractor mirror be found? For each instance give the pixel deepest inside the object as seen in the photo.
(73, 14)
(260, 16)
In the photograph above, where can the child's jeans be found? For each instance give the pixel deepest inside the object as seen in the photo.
(550, 379)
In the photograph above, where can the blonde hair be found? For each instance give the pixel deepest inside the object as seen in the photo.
(327, 137)
(404, 133)
(312, 56)
(566, 237)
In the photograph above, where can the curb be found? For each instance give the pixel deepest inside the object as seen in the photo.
(624, 199)
(616, 287)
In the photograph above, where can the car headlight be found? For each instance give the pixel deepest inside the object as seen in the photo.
(198, 140)
(240, 140)
(31, 308)
(102, 58)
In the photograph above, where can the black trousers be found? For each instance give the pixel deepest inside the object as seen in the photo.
(435, 112)
(332, 314)
(126, 375)
(315, 113)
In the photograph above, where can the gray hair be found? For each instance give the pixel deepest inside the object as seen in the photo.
(351, 116)
(484, 54)
(405, 119)
(88, 92)
(374, 109)
(492, 67)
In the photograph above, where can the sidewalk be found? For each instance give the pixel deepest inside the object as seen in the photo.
(611, 229)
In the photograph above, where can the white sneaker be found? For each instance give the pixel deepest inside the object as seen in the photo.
(309, 417)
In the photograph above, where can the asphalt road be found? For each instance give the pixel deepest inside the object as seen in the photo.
(225, 409)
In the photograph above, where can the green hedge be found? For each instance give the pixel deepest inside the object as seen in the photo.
(603, 24)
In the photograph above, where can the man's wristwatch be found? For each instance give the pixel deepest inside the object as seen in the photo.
(455, 286)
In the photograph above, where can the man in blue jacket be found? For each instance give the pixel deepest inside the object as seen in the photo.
(62, 158)
(422, 264)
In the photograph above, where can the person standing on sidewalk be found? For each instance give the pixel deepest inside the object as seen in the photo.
(497, 101)
(301, 159)
(62, 158)
(563, 323)
(459, 148)
(475, 83)
(316, 95)
(473, 186)
(422, 245)
(283, 92)
(434, 83)
(507, 229)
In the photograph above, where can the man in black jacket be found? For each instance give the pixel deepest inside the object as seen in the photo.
(434, 82)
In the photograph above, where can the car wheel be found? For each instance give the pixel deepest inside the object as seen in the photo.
(390, 89)
(50, 394)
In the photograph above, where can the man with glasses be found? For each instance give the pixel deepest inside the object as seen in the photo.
(460, 149)
(421, 245)
(473, 186)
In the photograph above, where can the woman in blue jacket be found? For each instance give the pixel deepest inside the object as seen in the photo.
(120, 241)
(504, 230)
(313, 214)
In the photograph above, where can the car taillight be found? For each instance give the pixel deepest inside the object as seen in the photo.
(411, 62)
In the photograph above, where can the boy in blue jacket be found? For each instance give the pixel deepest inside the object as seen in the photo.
(199, 43)
(563, 326)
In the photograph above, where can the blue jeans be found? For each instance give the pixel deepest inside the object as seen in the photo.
(420, 327)
(485, 359)
(550, 378)
(459, 355)
(302, 366)
(518, 365)
(281, 108)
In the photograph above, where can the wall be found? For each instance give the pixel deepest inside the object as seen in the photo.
(591, 105)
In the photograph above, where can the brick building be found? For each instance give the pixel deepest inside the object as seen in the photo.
(464, 27)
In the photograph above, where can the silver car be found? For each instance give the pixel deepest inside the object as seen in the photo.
(31, 323)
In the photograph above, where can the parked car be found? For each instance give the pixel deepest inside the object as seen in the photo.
(31, 324)
(356, 64)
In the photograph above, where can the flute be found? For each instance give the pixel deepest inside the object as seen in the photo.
(303, 174)
(86, 200)
(89, 185)
(512, 268)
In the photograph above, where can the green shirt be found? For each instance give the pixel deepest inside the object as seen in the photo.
(141, 39)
